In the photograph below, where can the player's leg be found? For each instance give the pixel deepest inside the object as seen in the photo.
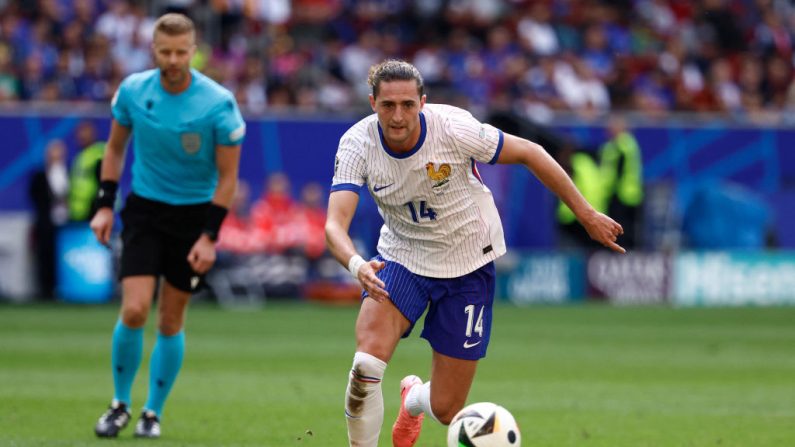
(139, 265)
(167, 357)
(458, 326)
(452, 379)
(169, 350)
(126, 351)
(379, 328)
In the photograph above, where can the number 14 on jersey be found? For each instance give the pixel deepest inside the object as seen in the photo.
(425, 212)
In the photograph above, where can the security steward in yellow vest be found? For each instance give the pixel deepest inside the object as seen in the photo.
(587, 176)
(621, 165)
(84, 174)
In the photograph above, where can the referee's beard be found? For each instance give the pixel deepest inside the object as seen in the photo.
(175, 76)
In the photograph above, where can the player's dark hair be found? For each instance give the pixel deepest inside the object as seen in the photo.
(174, 24)
(394, 70)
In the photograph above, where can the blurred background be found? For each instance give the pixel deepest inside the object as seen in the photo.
(675, 117)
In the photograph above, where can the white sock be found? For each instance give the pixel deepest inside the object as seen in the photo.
(364, 402)
(418, 400)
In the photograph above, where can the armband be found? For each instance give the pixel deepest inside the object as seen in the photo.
(215, 216)
(106, 195)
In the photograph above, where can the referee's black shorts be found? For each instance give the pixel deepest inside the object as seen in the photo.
(157, 238)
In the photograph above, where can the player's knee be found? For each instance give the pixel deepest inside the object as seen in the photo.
(169, 324)
(364, 380)
(134, 316)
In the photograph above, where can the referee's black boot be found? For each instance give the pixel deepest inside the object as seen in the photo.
(148, 425)
(112, 421)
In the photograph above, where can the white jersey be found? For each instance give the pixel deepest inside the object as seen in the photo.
(439, 218)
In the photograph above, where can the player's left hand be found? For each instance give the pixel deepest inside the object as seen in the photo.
(202, 255)
(604, 230)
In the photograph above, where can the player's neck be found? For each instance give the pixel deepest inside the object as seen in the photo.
(178, 88)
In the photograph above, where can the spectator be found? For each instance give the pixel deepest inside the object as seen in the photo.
(48, 190)
(85, 173)
(272, 214)
(237, 235)
(621, 167)
(310, 217)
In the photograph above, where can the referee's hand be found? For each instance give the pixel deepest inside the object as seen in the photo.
(102, 224)
(202, 255)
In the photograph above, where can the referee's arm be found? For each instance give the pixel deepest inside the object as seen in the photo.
(227, 160)
(110, 172)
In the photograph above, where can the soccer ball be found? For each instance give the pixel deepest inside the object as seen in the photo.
(483, 424)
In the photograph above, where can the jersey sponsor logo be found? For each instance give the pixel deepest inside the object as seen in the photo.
(468, 345)
(377, 188)
(191, 142)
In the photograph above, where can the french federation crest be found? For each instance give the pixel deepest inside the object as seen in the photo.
(191, 142)
(439, 177)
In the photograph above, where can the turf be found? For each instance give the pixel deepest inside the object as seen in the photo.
(572, 376)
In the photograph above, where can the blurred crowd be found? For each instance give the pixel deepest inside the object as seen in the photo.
(535, 57)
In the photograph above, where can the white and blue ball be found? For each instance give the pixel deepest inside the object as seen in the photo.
(483, 424)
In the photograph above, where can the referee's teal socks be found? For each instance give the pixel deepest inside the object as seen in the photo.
(163, 369)
(127, 346)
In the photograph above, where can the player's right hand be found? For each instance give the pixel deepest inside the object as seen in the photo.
(102, 224)
(371, 283)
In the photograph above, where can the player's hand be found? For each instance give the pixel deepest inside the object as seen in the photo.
(202, 255)
(370, 282)
(102, 224)
(604, 230)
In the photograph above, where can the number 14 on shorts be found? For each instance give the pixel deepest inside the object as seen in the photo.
(478, 326)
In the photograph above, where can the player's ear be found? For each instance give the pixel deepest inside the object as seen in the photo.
(422, 101)
(372, 101)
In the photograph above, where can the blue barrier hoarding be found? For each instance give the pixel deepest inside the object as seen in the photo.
(85, 267)
(543, 278)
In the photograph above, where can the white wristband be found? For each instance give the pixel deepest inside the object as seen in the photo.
(355, 264)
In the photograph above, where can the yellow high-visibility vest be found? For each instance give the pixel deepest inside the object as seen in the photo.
(627, 185)
(83, 181)
(587, 177)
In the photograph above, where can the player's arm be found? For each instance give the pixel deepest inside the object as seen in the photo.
(341, 208)
(600, 227)
(110, 172)
(227, 161)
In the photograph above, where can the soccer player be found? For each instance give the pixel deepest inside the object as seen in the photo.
(187, 132)
(440, 237)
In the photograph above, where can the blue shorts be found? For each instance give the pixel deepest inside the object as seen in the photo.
(458, 323)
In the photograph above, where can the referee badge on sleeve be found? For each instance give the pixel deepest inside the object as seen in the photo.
(191, 142)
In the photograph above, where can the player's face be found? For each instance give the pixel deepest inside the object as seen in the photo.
(172, 56)
(398, 106)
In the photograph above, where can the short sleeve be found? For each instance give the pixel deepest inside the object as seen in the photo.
(230, 129)
(119, 105)
(349, 166)
(483, 142)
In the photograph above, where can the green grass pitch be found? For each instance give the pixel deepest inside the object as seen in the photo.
(572, 376)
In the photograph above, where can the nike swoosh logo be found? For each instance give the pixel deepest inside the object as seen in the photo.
(379, 188)
(467, 345)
